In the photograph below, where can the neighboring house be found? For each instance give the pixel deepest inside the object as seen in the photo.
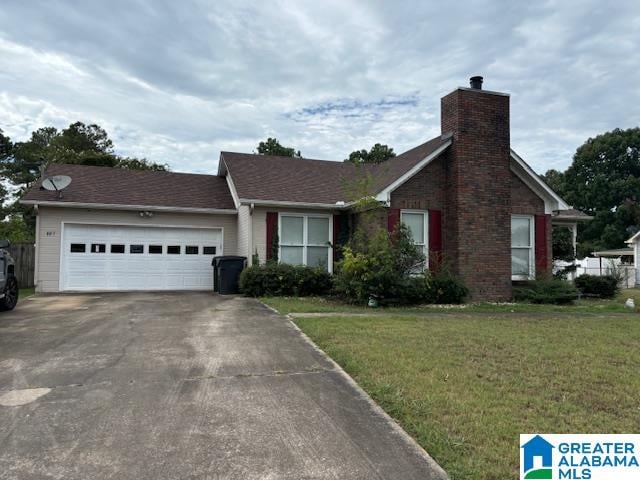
(634, 244)
(466, 196)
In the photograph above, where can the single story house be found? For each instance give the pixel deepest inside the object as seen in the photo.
(466, 196)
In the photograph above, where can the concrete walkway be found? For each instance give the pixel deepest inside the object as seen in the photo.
(183, 386)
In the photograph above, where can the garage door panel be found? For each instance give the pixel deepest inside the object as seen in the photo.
(92, 270)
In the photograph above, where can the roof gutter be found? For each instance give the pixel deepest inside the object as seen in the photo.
(109, 206)
(276, 203)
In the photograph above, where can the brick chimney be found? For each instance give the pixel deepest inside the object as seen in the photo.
(477, 218)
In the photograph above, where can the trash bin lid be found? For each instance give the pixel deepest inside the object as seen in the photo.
(227, 258)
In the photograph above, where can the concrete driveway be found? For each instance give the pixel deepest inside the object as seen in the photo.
(182, 386)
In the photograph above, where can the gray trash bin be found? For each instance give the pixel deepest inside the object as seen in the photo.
(226, 273)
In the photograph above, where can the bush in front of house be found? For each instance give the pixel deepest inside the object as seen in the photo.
(389, 268)
(551, 291)
(279, 279)
(605, 286)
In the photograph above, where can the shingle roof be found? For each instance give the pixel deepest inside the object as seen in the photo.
(114, 186)
(289, 179)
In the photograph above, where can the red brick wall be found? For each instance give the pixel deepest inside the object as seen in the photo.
(523, 200)
(423, 191)
(477, 210)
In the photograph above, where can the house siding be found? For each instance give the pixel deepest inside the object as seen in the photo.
(50, 221)
(244, 231)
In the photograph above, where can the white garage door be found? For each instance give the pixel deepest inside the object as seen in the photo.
(112, 257)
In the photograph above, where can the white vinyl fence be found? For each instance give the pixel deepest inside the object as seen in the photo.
(602, 266)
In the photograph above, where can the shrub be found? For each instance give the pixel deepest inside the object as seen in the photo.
(446, 289)
(377, 265)
(545, 291)
(605, 286)
(278, 279)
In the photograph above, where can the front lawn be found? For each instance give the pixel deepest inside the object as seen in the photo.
(466, 385)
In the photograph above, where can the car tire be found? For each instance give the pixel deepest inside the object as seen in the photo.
(10, 299)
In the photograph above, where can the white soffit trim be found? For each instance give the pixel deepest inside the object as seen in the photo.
(533, 176)
(150, 208)
(232, 189)
(384, 195)
(634, 238)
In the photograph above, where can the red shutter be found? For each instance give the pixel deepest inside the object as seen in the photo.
(272, 232)
(435, 239)
(337, 222)
(393, 219)
(541, 245)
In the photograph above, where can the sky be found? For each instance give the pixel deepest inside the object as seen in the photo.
(178, 81)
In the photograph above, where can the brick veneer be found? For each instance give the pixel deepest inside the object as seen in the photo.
(424, 191)
(477, 214)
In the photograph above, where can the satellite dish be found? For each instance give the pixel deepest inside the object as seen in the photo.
(56, 183)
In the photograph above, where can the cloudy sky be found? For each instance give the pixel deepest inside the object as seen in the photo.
(177, 81)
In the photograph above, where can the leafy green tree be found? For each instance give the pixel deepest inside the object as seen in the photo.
(273, 147)
(379, 153)
(604, 181)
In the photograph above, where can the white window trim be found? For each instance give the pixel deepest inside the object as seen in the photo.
(426, 232)
(305, 217)
(532, 248)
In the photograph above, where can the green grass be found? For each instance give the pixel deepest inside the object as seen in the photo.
(287, 305)
(26, 292)
(466, 385)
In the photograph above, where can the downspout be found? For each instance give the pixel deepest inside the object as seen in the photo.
(36, 247)
(250, 233)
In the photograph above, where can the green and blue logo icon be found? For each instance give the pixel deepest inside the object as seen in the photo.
(537, 459)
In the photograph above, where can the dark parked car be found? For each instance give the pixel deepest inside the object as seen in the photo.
(8, 281)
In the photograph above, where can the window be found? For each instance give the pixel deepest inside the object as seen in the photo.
(208, 250)
(136, 248)
(98, 248)
(522, 262)
(155, 249)
(191, 250)
(304, 240)
(78, 248)
(117, 248)
(416, 222)
(173, 249)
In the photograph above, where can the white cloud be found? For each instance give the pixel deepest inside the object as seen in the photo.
(177, 83)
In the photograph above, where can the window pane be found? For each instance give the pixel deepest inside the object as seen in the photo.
(173, 249)
(291, 230)
(415, 222)
(78, 247)
(520, 261)
(117, 248)
(520, 232)
(318, 256)
(208, 250)
(291, 255)
(191, 250)
(98, 248)
(155, 249)
(136, 248)
(318, 231)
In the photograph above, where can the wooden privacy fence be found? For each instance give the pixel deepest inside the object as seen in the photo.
(25, 256)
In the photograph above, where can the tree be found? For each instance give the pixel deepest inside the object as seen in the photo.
(379, 153)
(604, 181)
(273, 147)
